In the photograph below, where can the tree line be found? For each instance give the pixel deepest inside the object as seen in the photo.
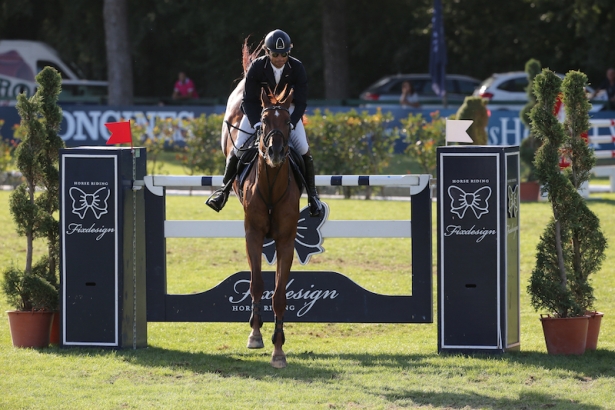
(345, 45)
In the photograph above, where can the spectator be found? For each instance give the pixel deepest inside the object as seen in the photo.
(608, 84)
(184, 88)
(409, 98)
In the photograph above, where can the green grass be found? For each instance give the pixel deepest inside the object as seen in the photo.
(356, 366)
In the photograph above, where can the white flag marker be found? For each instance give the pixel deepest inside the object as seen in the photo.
(456, 130)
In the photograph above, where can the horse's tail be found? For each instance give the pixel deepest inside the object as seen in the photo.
(248, 56)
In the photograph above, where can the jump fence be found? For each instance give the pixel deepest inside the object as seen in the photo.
(313, 296)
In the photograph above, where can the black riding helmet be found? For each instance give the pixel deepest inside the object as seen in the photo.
(278, 41)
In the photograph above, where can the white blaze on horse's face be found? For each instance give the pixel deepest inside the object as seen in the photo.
(276, 129)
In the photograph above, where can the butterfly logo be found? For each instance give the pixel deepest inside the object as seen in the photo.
(461, 201)
(309, 239)
(513, 201)
(97, 201)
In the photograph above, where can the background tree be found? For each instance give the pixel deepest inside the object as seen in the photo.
(335, 50)
(384, 37)
(119, 65)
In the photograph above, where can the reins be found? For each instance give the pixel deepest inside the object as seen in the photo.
(229, 126)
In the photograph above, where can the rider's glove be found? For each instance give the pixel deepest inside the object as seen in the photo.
(257, 127)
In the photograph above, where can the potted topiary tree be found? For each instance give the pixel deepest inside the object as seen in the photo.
(33, 291)
(529, 189)
(572, 245)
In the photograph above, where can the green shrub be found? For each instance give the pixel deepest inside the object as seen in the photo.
(34, 203)
(473, 108)
(350, 143)
(423, 138)
(202, 152)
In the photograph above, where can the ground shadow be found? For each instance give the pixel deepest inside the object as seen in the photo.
(304, 365)
(449, 400)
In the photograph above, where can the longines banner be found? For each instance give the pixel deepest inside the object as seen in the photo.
(84, 125)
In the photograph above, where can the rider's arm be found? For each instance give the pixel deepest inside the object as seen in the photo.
(251, 101)
(300, 94)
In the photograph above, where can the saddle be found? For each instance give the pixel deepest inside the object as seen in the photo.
(249, 157)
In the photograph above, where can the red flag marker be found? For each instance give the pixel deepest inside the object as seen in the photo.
(120, 132)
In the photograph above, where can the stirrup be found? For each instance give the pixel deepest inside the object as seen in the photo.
(315, 206)
(217, 200)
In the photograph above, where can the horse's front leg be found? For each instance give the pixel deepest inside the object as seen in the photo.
(254, 247)
(285, 261)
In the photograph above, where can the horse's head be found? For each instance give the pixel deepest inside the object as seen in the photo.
(275, 127)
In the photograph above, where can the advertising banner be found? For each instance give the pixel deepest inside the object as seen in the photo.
(83, 125)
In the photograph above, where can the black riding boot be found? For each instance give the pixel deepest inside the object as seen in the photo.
(313, 200)
(217, 200)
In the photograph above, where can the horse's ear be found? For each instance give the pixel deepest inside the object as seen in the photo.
(265, 102)
(289, 99)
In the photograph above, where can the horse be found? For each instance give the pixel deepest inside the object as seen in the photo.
(270, 197)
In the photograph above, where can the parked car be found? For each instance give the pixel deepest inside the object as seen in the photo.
(388, 89)
(507, 91)
(22, 60)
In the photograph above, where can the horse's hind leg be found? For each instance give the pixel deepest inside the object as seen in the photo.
(285, 260)
(257, 286)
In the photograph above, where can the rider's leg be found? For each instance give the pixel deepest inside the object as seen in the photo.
(298, 140)
(218, 199)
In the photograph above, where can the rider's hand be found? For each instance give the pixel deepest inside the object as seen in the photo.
(257, 127)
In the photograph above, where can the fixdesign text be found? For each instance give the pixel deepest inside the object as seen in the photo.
(479, 233)
(310, 296)
(79, 229)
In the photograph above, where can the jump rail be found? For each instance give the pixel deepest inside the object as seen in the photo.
(604, 170)
(353, 304)
(331, 229)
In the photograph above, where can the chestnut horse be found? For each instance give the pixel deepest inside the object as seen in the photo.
(270, 202)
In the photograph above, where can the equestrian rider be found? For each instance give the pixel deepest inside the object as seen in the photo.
(276, 70)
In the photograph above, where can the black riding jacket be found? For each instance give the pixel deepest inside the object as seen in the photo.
(260, 74)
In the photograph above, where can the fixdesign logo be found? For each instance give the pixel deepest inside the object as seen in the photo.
(513, 201)
(461, 201)
(82, 202)
(309, 239)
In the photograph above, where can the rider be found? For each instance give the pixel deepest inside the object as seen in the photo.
(276, 70)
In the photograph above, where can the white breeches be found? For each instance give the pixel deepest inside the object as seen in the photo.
(298, 139)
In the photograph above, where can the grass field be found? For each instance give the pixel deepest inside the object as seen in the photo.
(339, 366)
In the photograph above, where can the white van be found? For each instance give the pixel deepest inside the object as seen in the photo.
(22, 60)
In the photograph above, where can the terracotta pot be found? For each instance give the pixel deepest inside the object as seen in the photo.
(529, 191)
(565, 335)
(54, 335)
(30, 329)
(595, 318)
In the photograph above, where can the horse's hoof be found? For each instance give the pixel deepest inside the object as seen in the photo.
(278, 362)
(255, 342)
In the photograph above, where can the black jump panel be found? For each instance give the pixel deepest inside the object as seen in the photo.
(478, 248)
(98, 277)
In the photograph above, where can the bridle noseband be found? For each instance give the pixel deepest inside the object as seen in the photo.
(270, 134)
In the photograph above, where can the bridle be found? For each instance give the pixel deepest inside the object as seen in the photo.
(270, 134)
(266, 139)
